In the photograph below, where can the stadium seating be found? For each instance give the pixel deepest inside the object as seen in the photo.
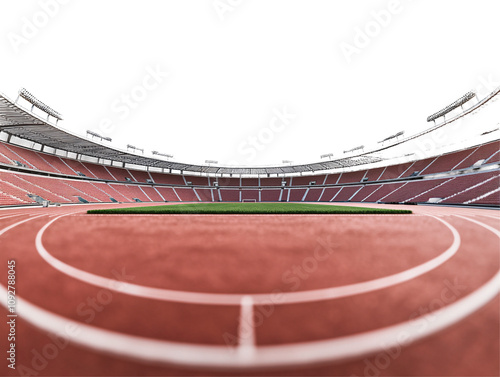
(346, 192)
(332, 179)
(168, 193)
(373, 175)
(419, 166)
(138, 176)
(207, 195)
(231, 182)
(187, 194)
(34, 185)
(133, 192)
(41, 163)
(395, 171)
(491, 198)
(270, 195)
(446, 162)
(296, 195)
(120, 175)
(365, 192)
(168, 179)
(59, 164)
(99, 171)
(250, 182)
(79, 180)
(228, 195)
(152, 193)
(415, 190)
(3, 158)
(119, 192)
(384, 191)
(250, 194)
(91, 191)
(78, 167)
(352, 177)
(7, 199)
(469, 187)
(10, 153)
(11, 192)
(305, 181)
(488, 152)
(329, 194)
(196, 181)
(267, 182)
(313, 194)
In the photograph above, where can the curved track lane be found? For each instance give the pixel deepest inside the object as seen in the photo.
(447, 297)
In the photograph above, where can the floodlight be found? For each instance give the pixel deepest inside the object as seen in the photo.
(401, 133)
(462, 100)
(92, 133)
(355, 149)
(129, 146)
(156, 153)
(23, 93)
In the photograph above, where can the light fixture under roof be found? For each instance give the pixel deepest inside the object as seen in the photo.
(459, 102)
(355, 149)
(95, 134)
(156, 153)
(23, 93)
(135, 148)
(393, 136)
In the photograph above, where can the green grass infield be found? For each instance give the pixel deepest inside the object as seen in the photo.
(247, 208)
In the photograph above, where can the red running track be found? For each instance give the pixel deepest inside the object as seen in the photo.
(253, 295)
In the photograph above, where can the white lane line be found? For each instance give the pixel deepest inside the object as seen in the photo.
(58, 215)
(9, 216)
(235, 299)
(491, 217)
(18, 223)
(246, 330)
(490, 228)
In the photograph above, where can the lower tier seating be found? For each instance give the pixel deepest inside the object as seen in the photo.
(473, 188)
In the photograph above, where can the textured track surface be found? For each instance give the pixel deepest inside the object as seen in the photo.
(221, 295)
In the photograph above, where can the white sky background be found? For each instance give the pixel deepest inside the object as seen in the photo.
(230, 70)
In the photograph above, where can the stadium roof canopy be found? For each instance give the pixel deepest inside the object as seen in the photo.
(18, 121)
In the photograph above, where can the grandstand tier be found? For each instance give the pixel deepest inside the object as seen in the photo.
(27, 176)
